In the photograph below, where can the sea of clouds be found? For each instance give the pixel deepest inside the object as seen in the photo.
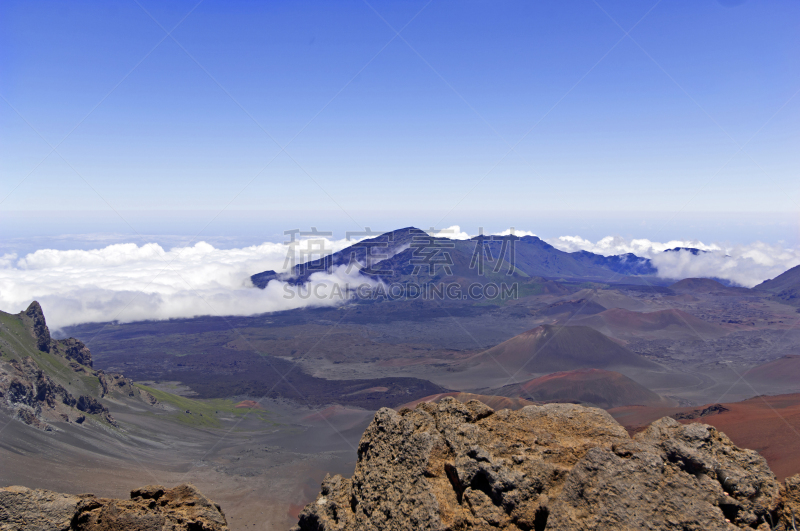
(128, 282)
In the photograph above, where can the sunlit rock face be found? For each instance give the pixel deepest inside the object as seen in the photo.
(558, 466)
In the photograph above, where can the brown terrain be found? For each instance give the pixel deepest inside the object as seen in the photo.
(661, 324)
(768, 424)
(595, 387)
(549, 348)
(783, 371)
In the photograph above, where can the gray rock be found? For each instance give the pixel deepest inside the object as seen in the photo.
(35, 509)
(39, 326)
(558, 466)
(151, 508)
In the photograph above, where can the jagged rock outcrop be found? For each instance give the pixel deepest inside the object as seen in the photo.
(454, 466)
(32, 395)
(151, 508)
(45, 381)
(90, 405)
(71, 348)
(36, 399)
(116, 384)
(75, 350)
(39, 326)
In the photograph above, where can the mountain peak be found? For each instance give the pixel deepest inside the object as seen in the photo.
(34, 308)
(39, 326)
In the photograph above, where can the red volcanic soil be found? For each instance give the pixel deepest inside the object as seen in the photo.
(666, 323)
(783, 371)
(595, 387)
(294, 511)
(251, 404)
(494, 402)
(550, 348)
(369, 390)
(767, 424)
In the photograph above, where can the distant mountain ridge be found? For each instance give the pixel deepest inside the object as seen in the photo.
(415, 256)
(785, 287)
(360, 252)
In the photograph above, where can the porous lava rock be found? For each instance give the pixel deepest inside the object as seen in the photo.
(454, 466)
(151, 508)
(35, 509)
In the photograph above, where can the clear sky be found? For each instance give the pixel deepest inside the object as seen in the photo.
(478, 112)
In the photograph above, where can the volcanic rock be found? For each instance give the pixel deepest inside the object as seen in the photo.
(461, 466)
(35, 509)
(116, 384)
(75, 350)
(39, 326)
(151, 508)
(37, 377)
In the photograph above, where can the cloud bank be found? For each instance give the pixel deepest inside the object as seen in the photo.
(611, 245)
(745, 265)
(126, 282)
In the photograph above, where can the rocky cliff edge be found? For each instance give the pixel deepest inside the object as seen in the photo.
(454, 466)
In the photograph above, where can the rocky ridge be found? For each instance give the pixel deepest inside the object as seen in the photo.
(454, 466)
(151, 508)
(44, 381)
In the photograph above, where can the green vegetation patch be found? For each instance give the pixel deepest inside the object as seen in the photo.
(18, 342)
(526, 289)
(204, 413)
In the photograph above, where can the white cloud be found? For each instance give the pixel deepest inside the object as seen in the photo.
(746, 265)
(454, 233)
(519, 233)
(126, 282)
(612, 245)
(7, 260)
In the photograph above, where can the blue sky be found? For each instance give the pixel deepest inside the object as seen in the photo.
(479, 113)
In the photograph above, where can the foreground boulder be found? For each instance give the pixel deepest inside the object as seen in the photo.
(151, 508)
(35, 509)
(454, 466)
